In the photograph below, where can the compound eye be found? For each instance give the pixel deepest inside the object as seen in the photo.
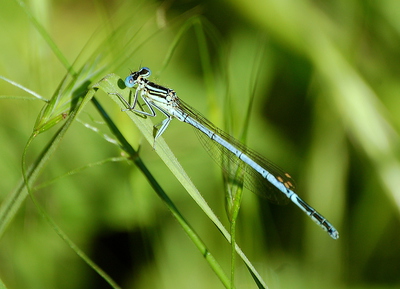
(145, 72)
(130, 81)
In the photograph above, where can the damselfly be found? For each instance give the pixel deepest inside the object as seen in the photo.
(261, 176)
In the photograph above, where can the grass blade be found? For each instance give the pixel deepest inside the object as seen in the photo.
(112, 85)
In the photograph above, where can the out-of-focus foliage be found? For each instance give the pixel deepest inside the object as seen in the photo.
(324, 77)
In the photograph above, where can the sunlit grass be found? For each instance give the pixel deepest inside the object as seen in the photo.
(342, 80)
(70, 97)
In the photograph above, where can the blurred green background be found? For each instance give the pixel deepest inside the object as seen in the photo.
(324, 77)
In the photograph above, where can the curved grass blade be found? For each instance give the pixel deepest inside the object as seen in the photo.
(13, 201)
(77, 171)
(113, 85)
(30, 176)
(20, 86)
(45, 36)
(134, 157)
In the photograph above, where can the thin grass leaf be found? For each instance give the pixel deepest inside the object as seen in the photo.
(113, 85)
(234, 213)
(71, 244)
(42, 31)
(95, 129)
(234, 187)
(357, 105)
(60, 105)
(14, 200)
(160, 192)
(30, 176)
(77, 171)
(31, 92)
(12, 203)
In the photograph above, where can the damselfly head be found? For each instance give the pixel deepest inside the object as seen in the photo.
(136, 76)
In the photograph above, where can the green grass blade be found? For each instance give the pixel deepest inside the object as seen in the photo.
(112, 85)
(161, 193)
(45, 36)
(34, 94)
(71, 244)
(31, 175)
(13, 201)
(77, 171)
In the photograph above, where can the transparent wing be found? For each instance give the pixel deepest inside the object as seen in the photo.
(253, 180)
